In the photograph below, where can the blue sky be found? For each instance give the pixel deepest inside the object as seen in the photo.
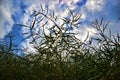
(14, 12)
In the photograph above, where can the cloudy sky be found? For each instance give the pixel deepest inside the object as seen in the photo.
(14, 12)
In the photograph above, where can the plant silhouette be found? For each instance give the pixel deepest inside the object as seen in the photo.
(60, 55)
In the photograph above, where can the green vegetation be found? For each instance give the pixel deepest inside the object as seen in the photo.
(60, 55)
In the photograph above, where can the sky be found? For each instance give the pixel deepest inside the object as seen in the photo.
(14, 12)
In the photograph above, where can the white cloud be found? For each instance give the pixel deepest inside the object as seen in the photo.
(82, 33)
(83, 17)
(114, 26)
(29, 48)
(95, 5)
(69, 2)
(6, 21)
